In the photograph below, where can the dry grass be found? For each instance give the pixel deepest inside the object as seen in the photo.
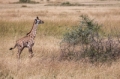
(16, 21)
(46, 65)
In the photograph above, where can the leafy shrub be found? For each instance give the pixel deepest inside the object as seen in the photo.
(86, 42)
(24, 1)
(27, 1)
(84, 32)
(66, 4)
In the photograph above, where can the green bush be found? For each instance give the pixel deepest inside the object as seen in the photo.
(66, 4)
(27, 1)
(24, 1)
(86, 42)
(84, 32)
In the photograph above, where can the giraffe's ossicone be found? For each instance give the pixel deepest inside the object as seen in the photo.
(28, 40)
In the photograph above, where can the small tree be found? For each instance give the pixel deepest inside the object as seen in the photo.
(24, 1)
(86, 42)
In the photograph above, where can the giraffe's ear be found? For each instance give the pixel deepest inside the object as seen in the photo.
(37, 17)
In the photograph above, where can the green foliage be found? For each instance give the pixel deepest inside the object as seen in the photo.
(71, 4)
(86, 42)
(66, 4)
(84, 32)
(27, 1)
(24, 1)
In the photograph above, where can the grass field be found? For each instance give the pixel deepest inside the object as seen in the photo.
(16, 20)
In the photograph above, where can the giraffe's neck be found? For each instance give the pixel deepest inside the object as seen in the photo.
(32, 33)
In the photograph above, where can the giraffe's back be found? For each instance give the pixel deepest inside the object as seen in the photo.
(25, 42)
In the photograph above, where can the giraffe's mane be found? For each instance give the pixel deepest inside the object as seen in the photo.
(31, 28)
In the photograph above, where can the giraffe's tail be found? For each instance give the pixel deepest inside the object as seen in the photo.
(13, 47)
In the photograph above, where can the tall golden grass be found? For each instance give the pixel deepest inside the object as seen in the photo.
(16, 21)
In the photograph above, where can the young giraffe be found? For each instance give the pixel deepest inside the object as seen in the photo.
(28, 40)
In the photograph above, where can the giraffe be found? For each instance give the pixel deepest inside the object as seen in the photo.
(28, 40)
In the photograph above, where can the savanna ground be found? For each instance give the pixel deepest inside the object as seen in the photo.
(16, 20)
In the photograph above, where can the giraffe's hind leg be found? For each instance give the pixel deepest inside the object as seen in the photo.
(19, 52)
(31, 52)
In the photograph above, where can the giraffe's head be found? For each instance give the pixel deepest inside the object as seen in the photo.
(38, 21)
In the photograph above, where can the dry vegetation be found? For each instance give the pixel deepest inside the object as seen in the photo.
(16, 21)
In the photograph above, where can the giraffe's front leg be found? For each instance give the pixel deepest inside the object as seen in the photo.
(31, 52)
